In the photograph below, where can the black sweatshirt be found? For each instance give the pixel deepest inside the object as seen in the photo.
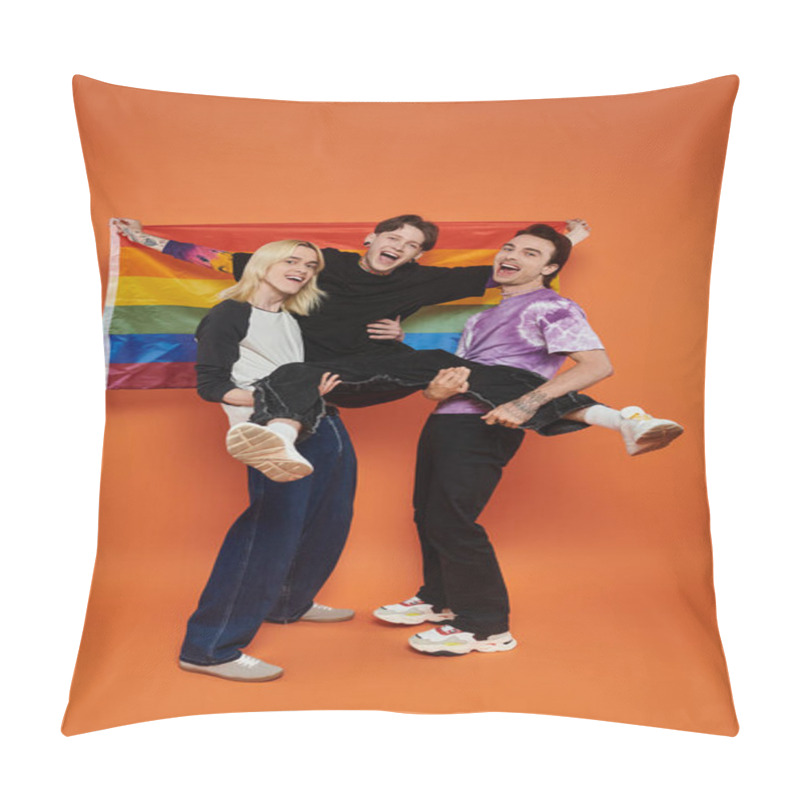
(356, 297)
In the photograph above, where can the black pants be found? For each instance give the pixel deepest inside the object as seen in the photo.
(291, 391)
(460, 461)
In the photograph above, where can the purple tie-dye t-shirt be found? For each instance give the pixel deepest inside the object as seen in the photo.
(533, 331)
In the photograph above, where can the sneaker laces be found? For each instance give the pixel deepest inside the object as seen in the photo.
(448, 629)
(248, 661)
(322, 607)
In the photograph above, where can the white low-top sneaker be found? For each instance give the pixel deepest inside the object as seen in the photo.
(449, 641)
(320, 613)
(268, 451)
(643, 433)
(245, 669)
(412, 612)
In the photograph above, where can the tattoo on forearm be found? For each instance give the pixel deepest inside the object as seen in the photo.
(151, 241)
(144, 239)
(529, 404)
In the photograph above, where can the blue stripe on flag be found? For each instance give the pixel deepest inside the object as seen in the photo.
(433, 341)
(139, 348)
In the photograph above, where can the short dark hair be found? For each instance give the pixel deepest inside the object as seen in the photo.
(563, 246)
(429, 230)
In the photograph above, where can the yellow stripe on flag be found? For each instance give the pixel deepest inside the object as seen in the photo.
(138, 291)
(134, 262)
(458, 258)
(491, 298)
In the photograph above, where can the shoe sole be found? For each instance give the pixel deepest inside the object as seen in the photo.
(199, 670)
(464, 649)
(404, 619)
(329, 619)
(260, 448)
(654, 439)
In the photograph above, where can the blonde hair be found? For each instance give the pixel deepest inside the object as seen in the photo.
(260, 263)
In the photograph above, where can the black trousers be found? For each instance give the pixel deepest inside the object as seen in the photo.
(291, 391)
(460, 461)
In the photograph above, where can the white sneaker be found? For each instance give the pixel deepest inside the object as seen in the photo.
(412, 612)
(268, 451)
(245, 668)
(320, 613)
(643, 433)
(449, 641)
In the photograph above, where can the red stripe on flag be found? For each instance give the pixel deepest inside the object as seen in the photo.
(172, 375)
(348, 235)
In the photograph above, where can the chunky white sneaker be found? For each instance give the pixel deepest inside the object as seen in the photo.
(643, 433)
(268, 451)
(449, 641)
(412, 612)
(320, 613)
(246, 669)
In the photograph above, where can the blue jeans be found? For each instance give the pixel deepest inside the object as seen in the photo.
(279, 552)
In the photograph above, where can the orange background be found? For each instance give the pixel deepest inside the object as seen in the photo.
(607, 558)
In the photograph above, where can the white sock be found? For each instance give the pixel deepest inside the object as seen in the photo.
(286, 431)
(603, 416)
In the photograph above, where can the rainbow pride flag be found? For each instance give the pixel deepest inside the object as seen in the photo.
(154, 302)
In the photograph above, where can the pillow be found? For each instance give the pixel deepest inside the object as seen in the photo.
(607, 558)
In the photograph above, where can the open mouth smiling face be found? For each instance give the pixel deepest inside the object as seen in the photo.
(506, 269)
(292, 273)
(523, 261)
(391, 249)
(388, 257)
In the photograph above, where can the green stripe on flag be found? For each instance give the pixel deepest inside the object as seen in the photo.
(156, 319)
(441, 319)
(185, 319)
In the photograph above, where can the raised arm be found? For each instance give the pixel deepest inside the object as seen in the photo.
(591, 366)
(220, 260)
(577, 230)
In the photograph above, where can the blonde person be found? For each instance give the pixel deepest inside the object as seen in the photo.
(284, 545)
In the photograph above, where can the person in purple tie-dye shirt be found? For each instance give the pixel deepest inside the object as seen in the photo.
(465, 444)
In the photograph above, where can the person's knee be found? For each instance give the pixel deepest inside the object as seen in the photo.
(293, 371)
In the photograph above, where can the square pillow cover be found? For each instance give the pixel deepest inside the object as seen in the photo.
(565, 565)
